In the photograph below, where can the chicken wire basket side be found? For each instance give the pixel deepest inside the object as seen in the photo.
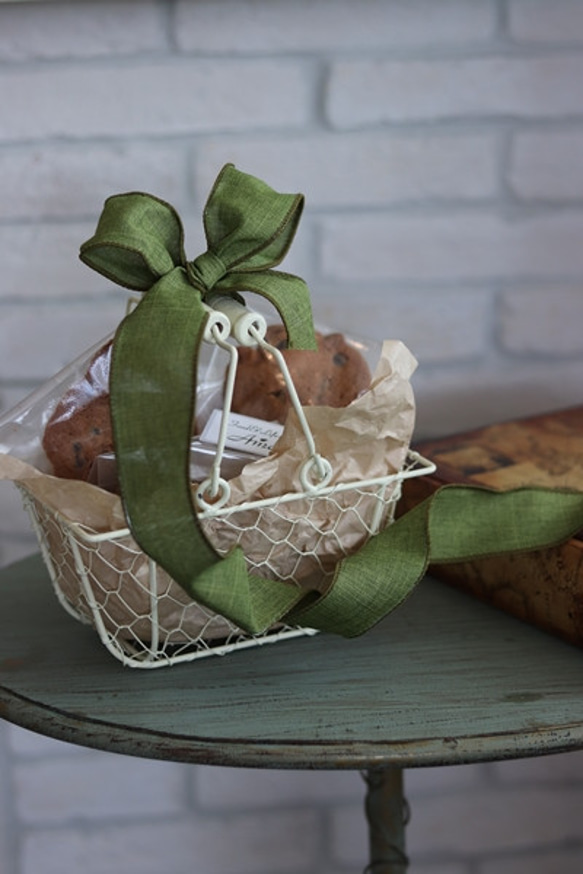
(141, 616)
(146, 620)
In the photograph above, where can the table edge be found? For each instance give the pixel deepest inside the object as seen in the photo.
(309, 755)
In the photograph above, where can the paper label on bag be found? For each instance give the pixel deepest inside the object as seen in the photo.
(243, 432)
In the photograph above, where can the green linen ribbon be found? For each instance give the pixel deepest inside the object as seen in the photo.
(457, 523)
(139, 243)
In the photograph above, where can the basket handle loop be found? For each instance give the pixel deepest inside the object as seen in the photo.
(249, 328)
(316, 472)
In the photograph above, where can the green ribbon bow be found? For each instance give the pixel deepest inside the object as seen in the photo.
(139, 243)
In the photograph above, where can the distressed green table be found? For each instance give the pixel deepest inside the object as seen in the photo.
(443, 680)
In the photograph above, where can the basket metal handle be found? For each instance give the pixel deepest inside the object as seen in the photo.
(249, 328)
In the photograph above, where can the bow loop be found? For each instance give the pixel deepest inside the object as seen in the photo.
(139, 238)
(248, 224)
(249, 228)
(206, 270)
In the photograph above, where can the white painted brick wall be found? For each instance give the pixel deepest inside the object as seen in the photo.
(441, 166)
(34, 252)
(382, 91)
(459, 246)
(159, 98)
(545, 321)
(439, 147)
(512, 388)
(310, 25)
(547, 165)
(537, 21)
(48, 181)
(82, 30)
(72, 329)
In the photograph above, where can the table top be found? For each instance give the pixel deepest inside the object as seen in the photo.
(444, 679)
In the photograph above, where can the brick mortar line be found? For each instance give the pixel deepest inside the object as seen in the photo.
(454, 125)
(424, 52)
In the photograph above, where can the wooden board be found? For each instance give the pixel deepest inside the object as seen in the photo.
(544, 588)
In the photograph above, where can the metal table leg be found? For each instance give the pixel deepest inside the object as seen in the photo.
(387, 813)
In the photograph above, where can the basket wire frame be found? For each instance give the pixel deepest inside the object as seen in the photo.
(145, 619)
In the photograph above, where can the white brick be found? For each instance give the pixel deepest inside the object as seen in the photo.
(563, 861)
(544, 321)
(437, 326)
(547, 164)
(364, 92)
(229, 26)
(483, 820)
(70, 30)
(157, 98)
(362, 169)
(270, 843)
(494, 391)
(562, 768)
(37, 342)
(452, 246)
(41, 261)
(98, 787)
(247, 788)
(546, 21)
(69, 181)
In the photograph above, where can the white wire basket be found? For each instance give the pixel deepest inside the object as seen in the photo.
(142, 616)
(146, 620)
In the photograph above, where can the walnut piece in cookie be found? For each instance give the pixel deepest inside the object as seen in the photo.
(333, 375)
(80, 427)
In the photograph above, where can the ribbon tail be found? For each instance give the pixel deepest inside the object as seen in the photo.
(287, 293)
(153, 386)
(455, 524)
(252, 603)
